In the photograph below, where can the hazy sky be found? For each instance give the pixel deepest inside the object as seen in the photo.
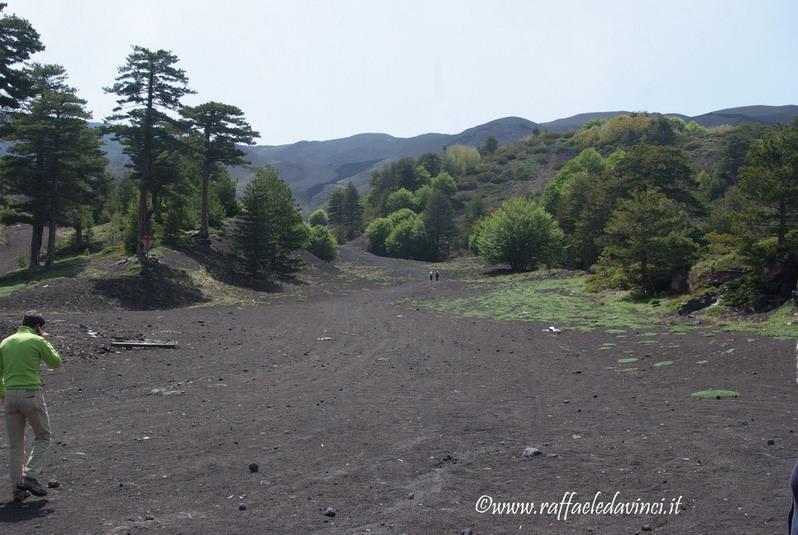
(303, 69)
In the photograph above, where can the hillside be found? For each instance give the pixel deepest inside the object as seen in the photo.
(312, 168)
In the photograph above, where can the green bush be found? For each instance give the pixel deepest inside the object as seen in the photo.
(321, 243)
(408, 239)
(401, 198)
(318, 218)
(519, 233)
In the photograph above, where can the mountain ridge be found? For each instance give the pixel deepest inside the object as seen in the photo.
(314, 167)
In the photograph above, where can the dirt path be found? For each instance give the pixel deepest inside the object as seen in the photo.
(400, 419)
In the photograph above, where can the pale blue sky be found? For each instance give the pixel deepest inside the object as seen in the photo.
(303, 69)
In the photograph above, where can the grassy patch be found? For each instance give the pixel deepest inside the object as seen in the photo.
(562, 301)
(622, 369)
(716, 394)
(662, 363)
(781, 324)
(370, 273)
(626, 361)
(561, 298)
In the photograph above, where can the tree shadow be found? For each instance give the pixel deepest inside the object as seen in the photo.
(11, 512)
(68, 268)
(156, 287)
(497, 272)
(224, 268)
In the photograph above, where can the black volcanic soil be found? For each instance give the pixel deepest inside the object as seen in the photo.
(400, 419)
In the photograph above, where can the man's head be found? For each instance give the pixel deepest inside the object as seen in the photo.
(33, 320)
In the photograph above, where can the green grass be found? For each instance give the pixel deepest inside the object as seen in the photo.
(562, 301)
(714, 394)
(781, 324)
(662, 363)
(627, 361)
(370, 273)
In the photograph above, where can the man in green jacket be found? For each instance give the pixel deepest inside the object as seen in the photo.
(21, 396)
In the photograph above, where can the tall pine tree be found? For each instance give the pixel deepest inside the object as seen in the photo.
(56, 157)
(148, 87)
(218, 128)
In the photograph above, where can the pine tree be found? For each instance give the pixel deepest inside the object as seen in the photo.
(649, 237)
(352, 212)
(149, 86)
(439, 222)
(56, 159)
(18, 41)
(271, 227)
(218, 128)
(769, 182)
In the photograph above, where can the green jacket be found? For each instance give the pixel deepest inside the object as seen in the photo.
(21, 355)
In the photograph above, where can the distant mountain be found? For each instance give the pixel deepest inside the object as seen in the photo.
(748, 114)
(731, 116)
(313, 168)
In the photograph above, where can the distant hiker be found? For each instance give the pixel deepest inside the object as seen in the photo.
(437, 275)
(430, 275)
(21, 396)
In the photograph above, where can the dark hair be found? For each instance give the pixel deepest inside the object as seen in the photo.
(33, 320)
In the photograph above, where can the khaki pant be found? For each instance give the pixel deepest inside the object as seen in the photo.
(23, 406)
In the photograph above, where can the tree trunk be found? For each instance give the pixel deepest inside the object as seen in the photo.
(36, 244)
(79, 233)
(144, 216)
(205, 202)
(51, 228)
(644, 275)
(52, 222)
(141, 249)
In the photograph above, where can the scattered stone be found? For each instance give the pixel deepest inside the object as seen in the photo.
(242, 506)
(467, 531)
(531, 452)
(53, 484)
(149, 517)
(771, 442)
(329, 512)
(254, 468)
(552, 455)
(646, 528)
(411, 496)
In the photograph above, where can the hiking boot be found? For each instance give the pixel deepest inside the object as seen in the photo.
(29, 483)
(21, 495)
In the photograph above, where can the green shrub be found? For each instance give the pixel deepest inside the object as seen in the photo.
(318, 218)
(519, 233)
(321, 243)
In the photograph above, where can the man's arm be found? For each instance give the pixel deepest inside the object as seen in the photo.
(2, 383)
(49, 355)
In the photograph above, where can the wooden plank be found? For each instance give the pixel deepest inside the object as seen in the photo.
(143, 343)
